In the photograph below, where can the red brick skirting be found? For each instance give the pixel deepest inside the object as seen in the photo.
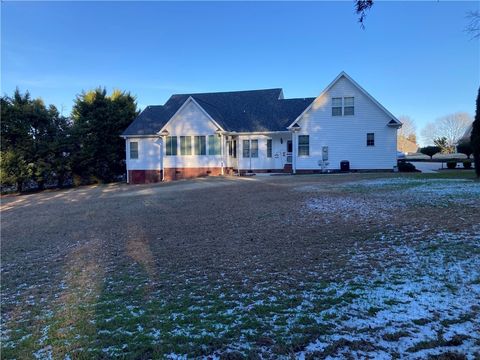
(144, 176)
(188, 173)
(152, 176)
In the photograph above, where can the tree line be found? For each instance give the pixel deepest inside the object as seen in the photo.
(39, 147)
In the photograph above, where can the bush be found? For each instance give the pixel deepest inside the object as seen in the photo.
(430, 150)
(404, 166)
(465, 147)
(451, 164)
(467, 164)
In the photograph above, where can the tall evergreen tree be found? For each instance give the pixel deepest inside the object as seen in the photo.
(30, 133)
(98, 121)
(475, 137)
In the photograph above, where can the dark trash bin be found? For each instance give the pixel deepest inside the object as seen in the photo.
(344, 165)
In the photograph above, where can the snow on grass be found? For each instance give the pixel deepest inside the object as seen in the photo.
(367, 199)
(429, 300)
(349, 207)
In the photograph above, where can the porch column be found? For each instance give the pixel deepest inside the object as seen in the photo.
(294, 151)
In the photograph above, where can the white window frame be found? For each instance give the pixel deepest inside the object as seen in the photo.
(196, 141)
(218, 146)
(269, 148)
(172, 153)
(337, 107)
(352, 106)
(186, 150)
(130, 150)
(304, 146)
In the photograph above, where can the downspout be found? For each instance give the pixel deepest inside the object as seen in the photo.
(250, 151)
(163, 136)
(162, 159)
(126, 158)
(222, 139)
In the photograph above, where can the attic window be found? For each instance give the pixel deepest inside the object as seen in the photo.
(343, 106)
(337, 106)
(348, 107)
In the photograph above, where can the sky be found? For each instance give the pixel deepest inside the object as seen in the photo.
(414, 57)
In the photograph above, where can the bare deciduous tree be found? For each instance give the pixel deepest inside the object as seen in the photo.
(408, 129)
(407, 135)
(451, 127)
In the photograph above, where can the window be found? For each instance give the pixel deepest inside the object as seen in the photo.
(254, 149)
(185, 145)
(235, 149)
(133, 150)
(303, 145)
(214, 145)
(370, 139)
(348, 108)
(344, 108)
(337, 106)
(171, 145)
(246, 148)
(200, 145)
(269, 148)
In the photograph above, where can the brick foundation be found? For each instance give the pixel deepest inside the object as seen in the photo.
(189, 173)
(144, 176)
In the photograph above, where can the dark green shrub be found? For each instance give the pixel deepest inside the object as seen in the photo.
(465, 147)
(451, 164)
(404, 166)
(430, 150)
(467, 164)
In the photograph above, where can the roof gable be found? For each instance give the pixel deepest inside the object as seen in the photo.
(192, 101)
(240, 111)
(395, 121)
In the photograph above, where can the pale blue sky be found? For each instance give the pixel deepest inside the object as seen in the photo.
(414, 57)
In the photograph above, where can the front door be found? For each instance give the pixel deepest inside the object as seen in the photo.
(289, 151)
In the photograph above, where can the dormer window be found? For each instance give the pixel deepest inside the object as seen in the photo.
(343, 106)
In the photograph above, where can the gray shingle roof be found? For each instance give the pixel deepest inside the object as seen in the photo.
(241, 111)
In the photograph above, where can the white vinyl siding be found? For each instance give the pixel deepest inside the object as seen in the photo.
(346, 137)
(133, 150)
(149, 153)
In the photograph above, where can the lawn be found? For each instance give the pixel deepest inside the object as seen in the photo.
(311, 266)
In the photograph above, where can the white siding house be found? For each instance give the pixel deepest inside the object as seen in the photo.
(339, 133)
(260, 131)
